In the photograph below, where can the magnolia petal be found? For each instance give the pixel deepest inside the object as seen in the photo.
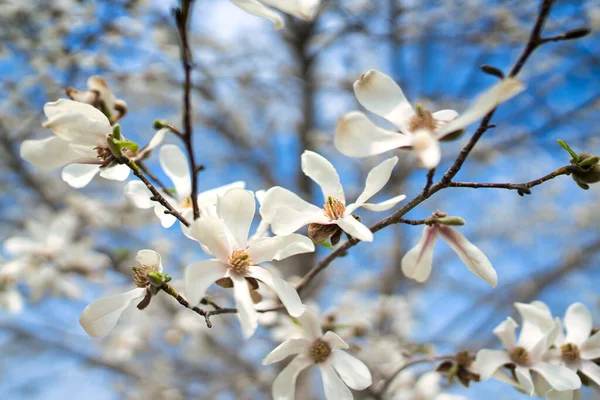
(279, 197)
(554, 395)
(199, 276)
(209, 197)
(286, 292)
(353, 372)
(357, 136)
(559, 377)
(77, 122)
(334, 341)
(49, 153)
(243, 301)
(473, 258)
(354, 228)
(150, 258)
(284, 386)
(286, 349)
(18, 245)
(237, 208)
(97, 83)
(590, 349)
(591, 370)
(379, 94)
(489, 361)
(101, 316)
(138, 194)
(486, 102)
(279, 247)
(444, 116)
(116, 173)
(79, 175)
(505, 331)
(384, 205)
(525, 380)
(213, 233)
(175, 165)
(427, 149)
(311, 324)
(335, 388)
(323, 173)
(157, 139)
(254, 7)
(305, 9)
(578, 323)
(537, 322)
(376, 180)
(287, 220)
(166, 220)
(416, 264)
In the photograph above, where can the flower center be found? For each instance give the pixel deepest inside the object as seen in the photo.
(319, 351)
(140, 275)
(239, 261)
(520, 355)
(422, 120)
(186, 203)
(570, 352)
(463, 358)
(333, 208)
(105, 156)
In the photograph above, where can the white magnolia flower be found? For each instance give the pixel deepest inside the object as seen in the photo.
(416, 264)
(175, 165)
(406, 386)
(237, 258)
(100, 96)
(80, 144)
(357, 136)
(304, 9)
(287, 212)
(339, 369)
(101, 316)
(10, 296)
(528, 354)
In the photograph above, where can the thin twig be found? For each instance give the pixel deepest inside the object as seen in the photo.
(147, 171)
(430, 175)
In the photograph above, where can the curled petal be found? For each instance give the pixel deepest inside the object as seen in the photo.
(578, 323)
(279, 197)
(287, 220)
(489, 361)
(245, 306)
(284, 386)
(376, 180)
(286, 292)
(254, 7)
(354, 228)
(49, 153)
(237, 207)
(506, 333)
(150, 258)
(286, 349)
(77, 122)
(416, 264)
(335, 388)
(199, 276)
(353, 372)
(175, 164)
(79, 175)
(279, 247)
(384, 205)
(537, 322)
(323, 173)
(334, 341)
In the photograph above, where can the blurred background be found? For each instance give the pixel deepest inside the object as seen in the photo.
(260, 97)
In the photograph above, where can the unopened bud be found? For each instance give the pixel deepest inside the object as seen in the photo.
(159, 124)
(452, 221)
(577, 33)
(488, 69)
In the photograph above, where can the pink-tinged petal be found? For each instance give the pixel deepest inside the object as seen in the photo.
(473, 258)
(537, 322)
(175, 165)
(335, 388)
(213, 233)
(444, 116)
(334, 341)
(245, 306)
(357, 136)
(116, 173)
(199, 276)
(209, 197)
(254, 7)
(578, 323)
(284, 386)
(97, 83)
(287, 220)
(591, 370)
(166, 220)
(150, 258)
(505, 331)
(427, 149)
(353, 372)
(523, 375)
(497, 94)
(101, 316)
(590, 349)
(416, 264)
(559, 377)
(237, 207)
(286, 349)
(138, 194)
(376, 180)
(323, 173)
(305, 9)
(279, 247)
(379, 94)
(384, 205)
(311, 324)
(79, 175)
(354, 228)
(286, 292)
(77, 122)
(489, 361)
(49, 153)
(279, 197)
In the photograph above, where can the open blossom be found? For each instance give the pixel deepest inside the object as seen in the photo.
(175, 165)
(339, 369)
(99, 95)
(421, 130)
(80, 145)
(287, 212)
(304, 9)
(529, 353)
(237, 258)
(416, 264)
(101, 316)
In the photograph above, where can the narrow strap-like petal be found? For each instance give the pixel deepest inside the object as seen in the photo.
(279, 247)
(558, 376)
(175, 165)
(199, 276)
(311, 324)
(286, 349)
(334, 341)
(591, 370)
(323, 173)
(578, 323)
(353, 372)
(335, 388)
(376, 180)
(505, 331)
(245, 306)
(354, 228)
(237, 207)
(489, 361)
(284, 386)
(138, 194)
(287, 220)
(49, 153)
(524, 378)
(416, 264)
(286, 292)
(384, 205)
(213, 233)
(116, 173)
(277, 197)
(79, 175)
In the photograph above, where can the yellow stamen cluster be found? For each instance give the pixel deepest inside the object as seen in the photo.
(519, 355)
(239, 261)
(319, 351)
(422, 120)
(570, 352)
(333, 208)
(140, 275)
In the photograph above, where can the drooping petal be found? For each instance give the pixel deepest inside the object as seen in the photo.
(335, 388)
(116, 173)
(353, 372)
(489, 361)
(590, 349)
(578, 323)
(505, 331)
(334, 341)
(305, 9)
(237, 207)
(284, 386)
(473, 258)
(175, 165)
(166, 220)
(150, 258)
(287, 220)
(209, 197)
(213, 233)
(286, 349)
(497, 94)
(79, 175)
(138, 194)
(49, 153)
(245, 306)
(323, 173)
(376, 180)
(311, 324)
(279, 247)
(354, 228)
(279, 197)
(559, 377)
(101, 316)
(379, 94)
(416, 264)
(384, 205)
(199, 276)
(427, 149)
(357, 136)
(286, 292)
(591, 370)
(77, 122)
(254, 7)
(525, 380)
(98, 84)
